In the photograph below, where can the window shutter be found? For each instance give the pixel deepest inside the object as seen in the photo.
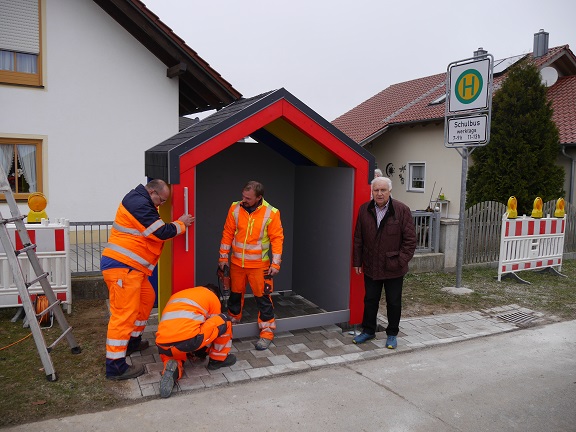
(19, 26)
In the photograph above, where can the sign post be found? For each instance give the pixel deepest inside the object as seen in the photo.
(467, 122)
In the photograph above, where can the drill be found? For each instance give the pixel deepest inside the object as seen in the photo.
(267, 284)
(224, 279)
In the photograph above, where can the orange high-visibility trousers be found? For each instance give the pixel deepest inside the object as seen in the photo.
(239, 277)
(217, 349)
(131, 301)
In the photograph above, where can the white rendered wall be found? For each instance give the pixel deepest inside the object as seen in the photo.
(421, 144)
(106, 100)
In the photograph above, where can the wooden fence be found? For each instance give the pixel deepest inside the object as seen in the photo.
(482, 230)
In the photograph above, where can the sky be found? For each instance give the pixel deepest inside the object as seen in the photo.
(335, 54)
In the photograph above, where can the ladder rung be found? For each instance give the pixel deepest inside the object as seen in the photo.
(25, 249)
(12, 219)
(59, 339)
(48, 309)
(42, 276)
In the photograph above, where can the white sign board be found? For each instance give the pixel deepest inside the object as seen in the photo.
(469, 86)
(467, 130)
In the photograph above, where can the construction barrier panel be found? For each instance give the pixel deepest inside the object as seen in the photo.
(529, 244)
(52, 242)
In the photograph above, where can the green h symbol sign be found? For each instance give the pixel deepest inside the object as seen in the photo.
(468, 86)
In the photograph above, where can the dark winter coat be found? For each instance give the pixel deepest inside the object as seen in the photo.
(384, 252)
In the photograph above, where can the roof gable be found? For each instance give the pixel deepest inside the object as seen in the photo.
(277, 119)
(411, 101)
(201, 88)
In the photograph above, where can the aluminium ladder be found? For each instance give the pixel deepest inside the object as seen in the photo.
(23, 285)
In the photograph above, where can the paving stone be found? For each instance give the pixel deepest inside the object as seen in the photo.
(280, 350)
(288, 368)
(316, 363)
(147, 390)
(258, 372)
(260, 362)
(333, 343)
(191, 383)
(316, 354)
(314, 337)
(243, 346)
(319, 344)
(297, 357)
(279, 360)
(334, 359)
(214, 380)
(241, 365)
(236, 376)
(298, 348)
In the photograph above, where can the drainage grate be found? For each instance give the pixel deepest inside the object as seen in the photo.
(517, 317)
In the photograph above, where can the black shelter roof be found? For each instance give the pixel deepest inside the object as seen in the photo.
(163, 160)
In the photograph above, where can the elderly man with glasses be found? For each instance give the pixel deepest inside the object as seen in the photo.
(136, 240)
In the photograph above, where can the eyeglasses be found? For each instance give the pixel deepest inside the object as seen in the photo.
(162, 200)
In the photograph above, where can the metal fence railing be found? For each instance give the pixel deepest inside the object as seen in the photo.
(427, 231)
(87, 240)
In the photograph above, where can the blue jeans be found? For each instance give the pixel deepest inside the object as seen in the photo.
(393, 290)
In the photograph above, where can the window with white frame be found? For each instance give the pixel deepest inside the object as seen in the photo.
(21, 160)
(20, 57)
(416, 176)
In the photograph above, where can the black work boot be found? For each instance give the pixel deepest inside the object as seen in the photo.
(167, 381)
(215, 364)
(133, 371)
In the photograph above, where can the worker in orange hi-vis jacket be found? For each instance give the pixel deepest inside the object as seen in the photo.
(252, 241)
(136, 241)
(193, 323)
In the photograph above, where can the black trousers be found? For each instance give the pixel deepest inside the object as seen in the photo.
(393, 290)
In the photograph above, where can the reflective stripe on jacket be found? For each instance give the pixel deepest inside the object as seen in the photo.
(249, 236)
(187, 313)
(138, 233)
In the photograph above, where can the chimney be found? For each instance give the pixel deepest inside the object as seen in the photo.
(480, 52)
(540, 43)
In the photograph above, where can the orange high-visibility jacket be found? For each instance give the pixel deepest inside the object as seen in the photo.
(249, 236)
(187, 313)
(138, 233)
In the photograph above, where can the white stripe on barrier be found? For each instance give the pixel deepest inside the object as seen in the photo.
(528, 244)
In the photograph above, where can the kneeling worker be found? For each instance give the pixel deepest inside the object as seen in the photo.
(192, 321)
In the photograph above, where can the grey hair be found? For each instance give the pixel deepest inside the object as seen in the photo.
(386, 179)
(378, 172)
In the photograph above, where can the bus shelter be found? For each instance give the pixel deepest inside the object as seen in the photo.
(311, 171)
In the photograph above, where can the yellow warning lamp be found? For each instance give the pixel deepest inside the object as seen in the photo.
(537, 212)
(512, 210)
(559, 212)
(37, 203)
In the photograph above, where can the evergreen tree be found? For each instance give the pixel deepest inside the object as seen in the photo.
(520, 159)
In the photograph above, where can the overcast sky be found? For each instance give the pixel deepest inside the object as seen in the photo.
(334, 54)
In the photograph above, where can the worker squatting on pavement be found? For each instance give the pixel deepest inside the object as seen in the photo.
(136, 241)
(252, 233)
(193, 325)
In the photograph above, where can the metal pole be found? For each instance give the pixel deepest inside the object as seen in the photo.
(460, 250)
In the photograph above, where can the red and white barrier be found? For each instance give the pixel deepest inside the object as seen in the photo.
(529, 244)
(52, 242)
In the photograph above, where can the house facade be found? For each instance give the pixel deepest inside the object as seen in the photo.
(85, 88)
(403, 127)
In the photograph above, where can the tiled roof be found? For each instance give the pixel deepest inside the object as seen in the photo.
(563, 96)
(409, 102)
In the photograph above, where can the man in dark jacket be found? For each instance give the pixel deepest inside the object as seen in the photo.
(384, 243)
